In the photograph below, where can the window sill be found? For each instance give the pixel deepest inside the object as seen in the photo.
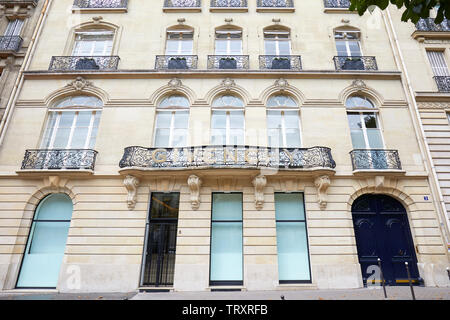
(226, 288)
(227, 9)
(275, 9)
(185, 9)
(99, 10)
(296, 286)
(55, 172)
(377, 172)
(338, 10)
(421, 36)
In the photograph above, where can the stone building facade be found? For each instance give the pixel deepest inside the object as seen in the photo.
(197, 145)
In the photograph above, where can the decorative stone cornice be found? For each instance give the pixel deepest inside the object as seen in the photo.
(322, 183)
(259, 182)
(79, 84)
(194, 183)
(131, 184)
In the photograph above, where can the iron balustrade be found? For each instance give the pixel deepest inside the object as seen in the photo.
(182, 4)
(280, 62)
(228, 62)
(244, 157)
(443, 83)
(10, 43)
(228, 3)
(428, 24)
(115, 4)
(355, 63)
(275, 3)
(336, 3)
(92, 63)
(380, 159)
(57, 159)
(176, 62)
(19, 2)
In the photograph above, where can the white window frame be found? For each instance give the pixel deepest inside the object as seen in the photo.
(179, 41)
(228, 110)
(438, 70)
(105, 33)
(14, 27)
(361, 113)
(228, 41)
(277, 40)
(347, 41)
(283, 126)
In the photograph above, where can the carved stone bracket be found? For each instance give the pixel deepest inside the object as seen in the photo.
(259, 183)
(194, 184)
(131, 183)
(322, 183)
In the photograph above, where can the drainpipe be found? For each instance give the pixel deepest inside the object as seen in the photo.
(418, 127)
(26, 62)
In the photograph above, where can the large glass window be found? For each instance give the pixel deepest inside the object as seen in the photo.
(227, 121)
(93, 43)
(283, 122)
(229, 42)
(226, 239)
(73, 123)
(172, 122)
(347, 43)
(179, 42)
(277, 42)
(292, 238)
(364, 126)
(14, 27)
(438, 63)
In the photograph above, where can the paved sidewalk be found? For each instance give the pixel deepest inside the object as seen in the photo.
(394, 293)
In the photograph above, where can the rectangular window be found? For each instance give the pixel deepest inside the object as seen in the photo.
(229, 42)
(14, 27)
(226, 267)
(292, 238)
(227, 127)
(365, 130)
(171, 129)
(93, 43)
(179, 43)
(283, 128)
(277, 43)
(347, 43)
(438, 63)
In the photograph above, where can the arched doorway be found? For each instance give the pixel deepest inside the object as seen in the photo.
(382, 231)
(46, 243)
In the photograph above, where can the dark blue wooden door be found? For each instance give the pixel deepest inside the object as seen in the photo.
(382, 231)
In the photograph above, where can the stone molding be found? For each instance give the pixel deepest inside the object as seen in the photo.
(194, 183)
(131, 184)
(259, 182)
(322, 183)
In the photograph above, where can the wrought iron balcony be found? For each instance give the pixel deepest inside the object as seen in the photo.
(244, 157)
(280, 63)
(379, 159)
(228, 3)
(443, 83)
(83, 63)
(228, 62)
(336, 3)
(355, 63)
(428, 25)
(10, 43)
(96, 4)
(176, 62)
(10, 3)
(182, 3)
(59, 159)
(275, 3)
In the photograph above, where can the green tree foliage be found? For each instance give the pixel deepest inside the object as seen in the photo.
(414, 9)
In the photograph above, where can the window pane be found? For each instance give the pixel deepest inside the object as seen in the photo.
(226, 206)
(79, 138)
(163, 119)
(284, 47)
(273, 119)
(49, 130)
(293, 138)
(270, 47)
(370, 120)
(179, 138)
(49, 237)
(354, 48)
(186, 47)
(237, 119)
(218, 136)
(341, 48)
(55, 207)
(162, 137)
(289, 206)
(291, 119)
(358, 139)
(226, 251)
(181, 119)
(221, 47)
(275, 138)
(219, 119)
(236, 137)
(293, 259)
(374, 137)
(172, 47)
(66, 119)
(84, 119)
(164, 205)
(235, 47)
(61, 138)
(354, 121)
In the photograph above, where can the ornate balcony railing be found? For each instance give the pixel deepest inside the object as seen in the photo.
(228, 3)
(19, 2)
(429, 25)
(95, 4)
(58, 159)
(182, 3)
(275, 3)
(365, 159)
(280, 62)
(71, 63)
(355, 63)
(244, 157)
(336, 3)
(228, 62)
(176, 62)
(443, 83)
(10, 43)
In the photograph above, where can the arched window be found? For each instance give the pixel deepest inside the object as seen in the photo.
(364, 123)
(172, 122)
(347, 42)
(93, 42)
(227, 121)
(277, 41)
(73, 123)
(283, 122)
